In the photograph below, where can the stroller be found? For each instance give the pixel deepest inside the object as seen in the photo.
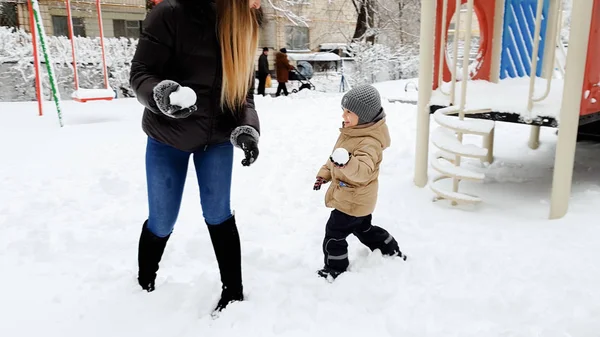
(302, 73)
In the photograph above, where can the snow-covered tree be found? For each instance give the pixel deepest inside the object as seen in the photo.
(16, 60)
(566, 20)
(290, 9)
(376, 62)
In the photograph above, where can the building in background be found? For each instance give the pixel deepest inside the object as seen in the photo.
(120, 18)
(327, 22)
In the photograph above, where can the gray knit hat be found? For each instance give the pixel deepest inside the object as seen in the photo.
(364, 101)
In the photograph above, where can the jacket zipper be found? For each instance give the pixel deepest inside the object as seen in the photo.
(213, 99)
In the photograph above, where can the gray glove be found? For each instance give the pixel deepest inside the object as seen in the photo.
(162, 92)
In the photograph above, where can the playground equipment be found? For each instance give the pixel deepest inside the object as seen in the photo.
(80, 94)
(517, 51)
(39, 38)
(37, 30)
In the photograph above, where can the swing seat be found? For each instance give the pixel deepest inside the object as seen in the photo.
(85, 95)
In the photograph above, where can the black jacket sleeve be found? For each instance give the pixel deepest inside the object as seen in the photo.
(153, 51)
(249, 115)
(248, 122)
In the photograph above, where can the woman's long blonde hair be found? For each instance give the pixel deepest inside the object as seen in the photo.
(238, 26)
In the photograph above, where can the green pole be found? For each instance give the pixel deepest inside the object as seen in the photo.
(49, 65)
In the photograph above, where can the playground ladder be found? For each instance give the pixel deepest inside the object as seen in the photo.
(447, 162)
(448, 137)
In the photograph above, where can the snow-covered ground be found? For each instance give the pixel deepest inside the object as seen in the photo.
(405, 91)
(72, 201)
(488, 95)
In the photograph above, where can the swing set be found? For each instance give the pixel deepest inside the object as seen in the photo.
(79, 94)
(85, 95)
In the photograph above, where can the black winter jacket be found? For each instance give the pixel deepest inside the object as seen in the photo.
(263, 65)
(179, 42)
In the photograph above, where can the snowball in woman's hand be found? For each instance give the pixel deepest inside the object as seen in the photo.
(340, 156)
(183, 97)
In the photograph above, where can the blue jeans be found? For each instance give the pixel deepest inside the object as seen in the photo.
(166, 171)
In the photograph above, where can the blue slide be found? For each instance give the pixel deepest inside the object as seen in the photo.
(517, 38)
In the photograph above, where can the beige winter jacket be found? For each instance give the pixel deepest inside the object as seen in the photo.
(353, 189)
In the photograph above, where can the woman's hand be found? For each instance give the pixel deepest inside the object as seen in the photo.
(162, 96)
(250, 146)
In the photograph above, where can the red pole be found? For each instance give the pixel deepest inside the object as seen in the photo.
(101, 26)
(70, 24)
(36, 61)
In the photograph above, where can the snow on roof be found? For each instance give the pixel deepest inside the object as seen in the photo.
(325, 56)
(509, 96)
(332, 45)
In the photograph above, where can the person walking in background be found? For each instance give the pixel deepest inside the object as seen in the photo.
(283, 68)
(263, 70)
(196, 84)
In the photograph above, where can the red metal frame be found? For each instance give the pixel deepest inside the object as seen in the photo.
(74, 53)
(103, 98)
(485, 10)
(591, 81)
(36, 60)
(72, 38)
(101, 26)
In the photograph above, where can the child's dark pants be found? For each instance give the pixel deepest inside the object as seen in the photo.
(340, 225)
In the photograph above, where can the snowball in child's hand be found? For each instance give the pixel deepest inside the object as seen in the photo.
(340, 156)
(183, 97)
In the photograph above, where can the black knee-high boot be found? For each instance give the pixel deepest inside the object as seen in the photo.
(226, 243)
(150, 251)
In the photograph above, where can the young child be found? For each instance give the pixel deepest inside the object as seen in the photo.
(353, 170)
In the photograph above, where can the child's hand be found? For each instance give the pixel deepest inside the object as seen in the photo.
(320, 181)
(340, 157)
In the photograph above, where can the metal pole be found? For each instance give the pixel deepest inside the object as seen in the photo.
(534, 53)
(36, 60)
(47, 57)
(101, 27)
(553, 24)
(442, 45)
(497, 41)
(464, 82)
(455, 53)
(73, 50)
(571, 106)
(425, 89)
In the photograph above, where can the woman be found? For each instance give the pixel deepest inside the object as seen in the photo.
(207, 49)
(283, 67)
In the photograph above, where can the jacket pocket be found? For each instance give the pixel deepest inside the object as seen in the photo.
(344, 193)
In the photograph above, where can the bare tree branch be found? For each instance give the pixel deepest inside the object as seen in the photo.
(289, 14)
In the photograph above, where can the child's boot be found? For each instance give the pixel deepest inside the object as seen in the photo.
(376, 237)
(392, 249)
(328, 272)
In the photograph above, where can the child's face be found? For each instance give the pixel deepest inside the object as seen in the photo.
(350, 118)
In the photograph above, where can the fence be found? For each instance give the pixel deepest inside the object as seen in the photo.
(122, 25)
